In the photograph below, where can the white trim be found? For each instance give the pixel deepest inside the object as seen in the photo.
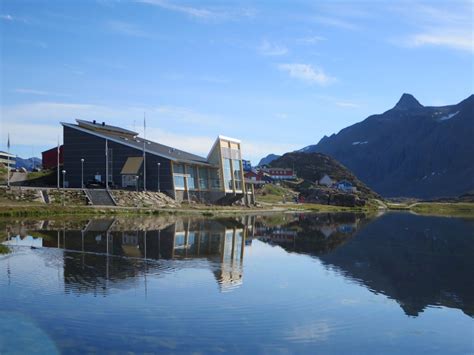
(235, 140)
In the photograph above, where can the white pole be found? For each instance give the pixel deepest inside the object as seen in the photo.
(57, 162)
(144, 153)
(106, 164)
(8, 163)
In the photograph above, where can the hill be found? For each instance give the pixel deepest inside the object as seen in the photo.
(29, 163)
(268, 159)
(410, 150)
(313, 166)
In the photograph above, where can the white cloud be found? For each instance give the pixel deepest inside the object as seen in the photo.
(307, 73)
(6, 17)
(461, 41)
(37, 124)
(448, 26)
(347, 104)
(310, 40)
(202, 13)
(334, 22)
(272, 49)
(128, 29)
(38, 92)
(281, 115)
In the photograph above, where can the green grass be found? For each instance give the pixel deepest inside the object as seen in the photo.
(4, 249)
(274, 194)
(460, 209)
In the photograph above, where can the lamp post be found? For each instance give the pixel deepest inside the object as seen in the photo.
(136, 181)
(159, 164)
(82, 173)
(64, 178)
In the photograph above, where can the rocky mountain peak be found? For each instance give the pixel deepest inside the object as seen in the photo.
(407, 102)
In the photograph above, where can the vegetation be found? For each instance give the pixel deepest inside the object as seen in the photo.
(270, 193)
(444, 209)
(4, 249)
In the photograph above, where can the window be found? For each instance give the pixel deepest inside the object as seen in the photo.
(203, 179)
(237, 174)
(178, 170)
(215, 180)
(227, 175)
(192, 177)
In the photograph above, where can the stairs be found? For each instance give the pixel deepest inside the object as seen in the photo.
(45, 196)
(100, 197)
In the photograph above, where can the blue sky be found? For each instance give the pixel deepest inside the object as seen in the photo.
(278, 75)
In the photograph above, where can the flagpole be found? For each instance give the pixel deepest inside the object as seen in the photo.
(57, 163)
(144, 153)
(106, 164)
(8, 161)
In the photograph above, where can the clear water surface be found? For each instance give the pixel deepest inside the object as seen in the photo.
(275, 284)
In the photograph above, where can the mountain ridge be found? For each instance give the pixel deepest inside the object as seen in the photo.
(410, 150)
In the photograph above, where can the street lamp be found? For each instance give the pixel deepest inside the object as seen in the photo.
(64, 177)
(136, 181)
(82, 173)
(159, 164)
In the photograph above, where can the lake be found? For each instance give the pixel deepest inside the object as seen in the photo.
(271, 284)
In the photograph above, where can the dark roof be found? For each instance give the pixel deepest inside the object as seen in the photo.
(102, 126)
(150, 146)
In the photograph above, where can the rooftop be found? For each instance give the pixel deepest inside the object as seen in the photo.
(131, 139)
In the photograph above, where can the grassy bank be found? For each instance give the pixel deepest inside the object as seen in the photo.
(459, 209)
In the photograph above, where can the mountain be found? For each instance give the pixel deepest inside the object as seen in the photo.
(268, 159)
(28, 164)
(410, 150)
(313, 166)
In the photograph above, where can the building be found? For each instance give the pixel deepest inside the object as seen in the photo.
(119, 158)
(326, 181)
(246, 165)
(7, 159)
(346, 186)
(49, 157)
(280, 173)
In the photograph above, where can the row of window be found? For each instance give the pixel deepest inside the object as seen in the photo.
(208, 178)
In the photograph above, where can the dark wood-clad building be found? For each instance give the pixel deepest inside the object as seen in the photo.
(119, 158)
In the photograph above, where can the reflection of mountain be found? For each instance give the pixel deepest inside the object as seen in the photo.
(418, 261)
(312, 234)
(104, 254)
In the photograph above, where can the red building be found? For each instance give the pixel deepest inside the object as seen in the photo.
(50, 157)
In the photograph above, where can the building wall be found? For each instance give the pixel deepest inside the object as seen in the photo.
(49, 158)
(79, 145)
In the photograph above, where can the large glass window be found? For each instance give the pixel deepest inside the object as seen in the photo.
(192, 177)
(237, 174)
(227, 174)
(203, 179)
(178, 170)
(215, 180)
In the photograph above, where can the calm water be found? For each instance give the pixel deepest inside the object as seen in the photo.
(323, 283)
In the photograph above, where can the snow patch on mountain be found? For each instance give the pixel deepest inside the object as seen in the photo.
(448, 117)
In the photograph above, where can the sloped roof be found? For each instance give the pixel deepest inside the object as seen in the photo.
(150, 146)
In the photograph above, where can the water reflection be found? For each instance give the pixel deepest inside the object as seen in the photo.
(417, 261)
(103, 254)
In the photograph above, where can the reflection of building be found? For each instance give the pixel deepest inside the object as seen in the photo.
(104, 254)
(118, 157)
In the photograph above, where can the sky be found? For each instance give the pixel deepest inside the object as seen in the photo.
(278, 75)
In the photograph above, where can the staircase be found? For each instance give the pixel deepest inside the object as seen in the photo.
(45, 196)
(100, 197)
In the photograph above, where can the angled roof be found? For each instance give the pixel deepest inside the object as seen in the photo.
(138, 143)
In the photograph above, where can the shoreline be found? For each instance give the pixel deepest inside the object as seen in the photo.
(451, 209)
